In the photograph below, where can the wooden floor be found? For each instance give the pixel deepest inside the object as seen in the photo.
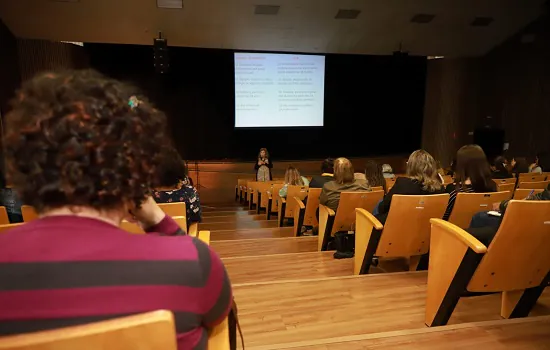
(278, 313)
(531, 333)
(264, 246)
(237, 225)
(232, 234)
(233, 218)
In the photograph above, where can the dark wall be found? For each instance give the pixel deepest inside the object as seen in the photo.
(9, 69)
(367, 98)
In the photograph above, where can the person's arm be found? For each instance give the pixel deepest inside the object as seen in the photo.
(283, 191)
(154, 220)
(268, 163)
(258, 164)
(217, 294)
(323, 198)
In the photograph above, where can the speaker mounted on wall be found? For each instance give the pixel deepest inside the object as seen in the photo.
(160, 54)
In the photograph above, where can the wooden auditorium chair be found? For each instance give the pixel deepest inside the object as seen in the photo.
(286, 208)
(377, 188)
(533, 184)
(261, 192)
(522, 193)
(509, 187)
(133, 227)
(28, 213)
(531, 177)
(306, 214)
(147, 331)
(241, 188)
(406, 232)
(344, 218)
(468, 204)
(252, 194)
(179, 209)
(516, 263)
(511, 180)
(273, 200)
(4, 228)
(4, 219)
(390, 183)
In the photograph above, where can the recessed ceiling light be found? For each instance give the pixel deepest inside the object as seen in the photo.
(266, 10)
(422, 18)
(170, 4)
(347, 14)
(482, 21)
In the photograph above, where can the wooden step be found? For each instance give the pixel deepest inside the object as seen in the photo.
(206, 214)
(519, 333)
(237, 225)
(233, 218)
(252, 233)
(264, 246)
(225, 207)
(282, 267)
(314, 309)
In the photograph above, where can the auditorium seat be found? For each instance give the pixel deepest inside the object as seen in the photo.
(406, 232)
(499, 182)
(135, 228)
(4, 219)
(306, 214)
(522, 193)
(261, 193)
(252, 194)
(531, 177)
(390, 183)
(4, 228)
(508, 187)
(241, 188)
(344, 218)
(147, 331)
(468, 204)
(533, 184)
(179, 209)
(273, 200)
(286, 207)
(28, 213)
(516, 263)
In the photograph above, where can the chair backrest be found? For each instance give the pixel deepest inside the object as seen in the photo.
(345, 215)
(531, 177)
(468, 204)
(506, 188)
(4, 219)
(533, 184)
(204, 236)
(517, 257)
(294, 191)
(276, 198)
(174, 209)
(310, 217)
(390, 183)
(28, 212)
(522, 193)
(407, 229)
(251, 188)
(499, 182)
(447, 179)
(263, 187)
(377, 188)
(148, 331)
(135, 228)
(6, 227)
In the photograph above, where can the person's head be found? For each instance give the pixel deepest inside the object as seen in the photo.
(343, 171)
(472, 164)
(387, 169)
(78, 139)
(373, 172)
(519, 165)
(499, 164)
(422, 167)
(327, 167)
(292, 177)
(172, 169)
(263, 153)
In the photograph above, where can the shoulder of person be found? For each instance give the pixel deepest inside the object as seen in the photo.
(450, 187)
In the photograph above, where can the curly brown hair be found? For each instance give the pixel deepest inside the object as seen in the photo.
(73, 139)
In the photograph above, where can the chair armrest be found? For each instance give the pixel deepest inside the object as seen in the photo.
(193, 229)
(218, 337)
(369, 217)
(205, 236)
(299, 214)
(364, 223)
(460, 235)
(283, 200)
(326, 219)
(282, 210)
(269, 195)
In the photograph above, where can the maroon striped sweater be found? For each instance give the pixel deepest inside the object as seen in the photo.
(68, 270)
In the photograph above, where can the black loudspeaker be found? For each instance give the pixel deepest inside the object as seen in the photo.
(160, 55)
(491, 140)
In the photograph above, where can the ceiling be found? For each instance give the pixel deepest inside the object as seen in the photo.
(299, 26)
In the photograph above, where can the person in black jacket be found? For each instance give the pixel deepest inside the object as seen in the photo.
(327, 169)
(422, 179)
(263, 166)
(499, 168)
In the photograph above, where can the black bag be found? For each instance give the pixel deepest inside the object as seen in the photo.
(345, 245)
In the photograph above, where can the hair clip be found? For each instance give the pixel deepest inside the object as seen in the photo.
(133, 102)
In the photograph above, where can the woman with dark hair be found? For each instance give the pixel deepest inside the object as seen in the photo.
(263, 166)
(473, 174)
(175, 185)
(499, 168)
(375, 177)
(85, 154)
(519, 166)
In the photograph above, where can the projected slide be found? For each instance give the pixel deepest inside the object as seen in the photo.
(279, 90)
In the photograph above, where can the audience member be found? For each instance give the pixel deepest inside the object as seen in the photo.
(175, 185)
(387, 171)
(422, 179)
(84, 153)
(327, 169)
(452, 168)
(343, 181)
(519, 166)
(263, 166)
(292, 178)
(499, 168)
(375, 174)
(472, 175)
(535, 167)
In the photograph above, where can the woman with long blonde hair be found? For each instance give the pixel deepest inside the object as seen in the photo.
(422, 179)
(292, 178)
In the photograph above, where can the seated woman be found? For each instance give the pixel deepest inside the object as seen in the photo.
(176, 187)
(422, 179)
(292, 178)
(83, 152)
(472, 175)
(519, 166)
(499, 168)
(387, 171)
(375, 175)
(343, 181)
(535, 167)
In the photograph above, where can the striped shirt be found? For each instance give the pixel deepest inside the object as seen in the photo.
(67, 270)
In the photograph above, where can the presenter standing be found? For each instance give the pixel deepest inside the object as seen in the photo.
(263, 166)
